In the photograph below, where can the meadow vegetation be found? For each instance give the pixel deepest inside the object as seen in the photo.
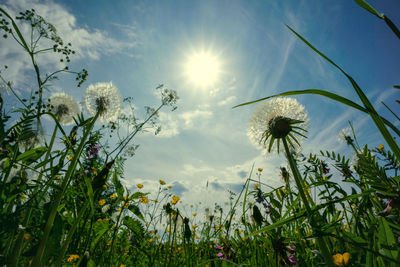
(63, 203)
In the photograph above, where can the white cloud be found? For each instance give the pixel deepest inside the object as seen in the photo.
(190, 116)
(87, 43)
(227, 101)
(169, 125)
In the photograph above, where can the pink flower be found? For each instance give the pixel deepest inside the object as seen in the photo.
(218, 247)
(292, 260)
(220, 254)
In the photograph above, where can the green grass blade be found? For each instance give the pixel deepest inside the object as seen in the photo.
(368, 7)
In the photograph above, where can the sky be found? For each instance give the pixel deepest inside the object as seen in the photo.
(140, 44)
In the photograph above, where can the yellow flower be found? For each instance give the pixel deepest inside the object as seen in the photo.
(170, 186)
(260, 169)
(144, 200)
(194, 214)
(140, 186)
(126, 205)
(256, 186)
(174, 200)
(69, 158)
(27, 236)
(340, 259)
(380, 147)
(73, 257)
(162, 182)
(151, 240)
(122, 265)
(113, 196)
(99, 220)
(102, 202)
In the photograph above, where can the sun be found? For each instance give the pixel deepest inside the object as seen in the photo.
(203, 69)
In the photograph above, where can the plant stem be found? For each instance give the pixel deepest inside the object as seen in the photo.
(20, 238)
(70, 235)
(300, 188)
(53, 212)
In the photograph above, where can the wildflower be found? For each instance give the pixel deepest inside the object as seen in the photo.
(256, 186)
(170, 186)
(140, 186)
(144, 200)
(113, 196)
(260, 169)
(175, 200)
(344, 136)
(391, 202)
(162, 182)
(292, 260)
(218, 247)
(27, 236)
(380, 147)
(276, 119)
(86, 172)
(73, 257)
(69, 158)
(103, 98)
(92, 151)
(194, 214)
(340, 259)
(122, 265)
(220, 254)
(63, 107)
(102, 202)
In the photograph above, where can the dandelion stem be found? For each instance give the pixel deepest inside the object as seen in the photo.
(300, 188)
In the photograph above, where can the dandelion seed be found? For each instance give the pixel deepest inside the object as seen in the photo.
(63, 107)
(276, 119)
(103, 98)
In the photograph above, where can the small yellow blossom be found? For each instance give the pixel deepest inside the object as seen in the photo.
(125, 198)
(105, 220)
(113, 196)
(126, 205)
(99, 220)
(256, 186)
(260, 169)
(380, 147)
(151, 240)
(194, 214)
(156, 201)
(69, 158)
(73, 257)
(123, 265)
(27, 236)
(144, 200)
(175, 200)
(102, 202)
(340, 259)
(170, 186)
(140, 186)
(94, 171)
(162, 182)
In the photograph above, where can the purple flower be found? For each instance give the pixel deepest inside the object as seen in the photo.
(218, 247)
(86, 172)
(220, 254)
(292, 260)
(93, 151)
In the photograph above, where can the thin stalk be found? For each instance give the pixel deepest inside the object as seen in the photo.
(300, 188)
(70, 235)
(20, 238)
(53, 212)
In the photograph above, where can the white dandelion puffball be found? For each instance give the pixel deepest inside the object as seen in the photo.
(272, 118)
(103, 98)
(63, 107)
(345, 135)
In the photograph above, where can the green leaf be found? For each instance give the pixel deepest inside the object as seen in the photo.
(135, 210)
(368, 7)
(386, 237)
(135, 226)
(32, 155)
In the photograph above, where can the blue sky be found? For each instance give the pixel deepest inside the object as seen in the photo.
(140, 44)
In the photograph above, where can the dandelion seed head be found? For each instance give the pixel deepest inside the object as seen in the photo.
(344, 136)
(105, 99)
(64, 107)
(273, 118)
